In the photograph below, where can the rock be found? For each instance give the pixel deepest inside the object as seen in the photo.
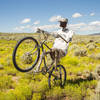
(1, 66)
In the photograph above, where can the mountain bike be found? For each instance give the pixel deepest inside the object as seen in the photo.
(26, 55)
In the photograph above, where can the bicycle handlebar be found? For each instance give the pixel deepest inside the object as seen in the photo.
(42, 31)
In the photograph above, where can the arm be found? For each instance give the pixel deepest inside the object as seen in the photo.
(71, 36)
(48, 33)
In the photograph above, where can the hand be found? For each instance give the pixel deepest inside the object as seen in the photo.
(39, 30)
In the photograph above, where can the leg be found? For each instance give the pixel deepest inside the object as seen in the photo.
(58, 54)
(41, 57)
(51, 53)
(54, 54)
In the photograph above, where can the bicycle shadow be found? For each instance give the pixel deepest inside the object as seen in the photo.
(79, 80)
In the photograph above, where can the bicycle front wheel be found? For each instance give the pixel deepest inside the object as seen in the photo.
(26, 54)
(57, 76)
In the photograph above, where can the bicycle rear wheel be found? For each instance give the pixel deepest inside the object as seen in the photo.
(26, 54)
(57, 76)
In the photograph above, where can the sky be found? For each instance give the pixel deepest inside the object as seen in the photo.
(26, 15)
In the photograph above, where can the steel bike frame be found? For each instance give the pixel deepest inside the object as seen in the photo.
(43, 58)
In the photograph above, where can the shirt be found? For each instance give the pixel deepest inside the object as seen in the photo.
(59, 43)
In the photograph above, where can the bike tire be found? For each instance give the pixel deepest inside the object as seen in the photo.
(14, 56)
(62, 83)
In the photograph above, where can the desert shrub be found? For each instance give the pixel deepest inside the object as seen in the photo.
(79, 91)
(77, 52)
(91, 46)
(92, 56)
(87, 75)
(27, 59)
(80, 52)
(73, 47)
(85, 86)
(82, 42)
(23, 92)
(97, 72)
(7, 96)
(91, 40)
(98, 56)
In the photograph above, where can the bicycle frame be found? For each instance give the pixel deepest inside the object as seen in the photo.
(41, 46)
(42, 57)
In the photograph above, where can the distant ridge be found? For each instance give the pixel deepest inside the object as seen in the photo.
(95, 34)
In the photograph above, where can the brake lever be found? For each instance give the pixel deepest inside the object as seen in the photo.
(45, 36)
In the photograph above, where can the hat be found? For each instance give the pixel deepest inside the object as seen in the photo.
(63, 20)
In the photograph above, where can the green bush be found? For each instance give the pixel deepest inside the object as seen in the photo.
(11, 71)
(71, 60)
(8, 61)
(36, 96)
(73, 92)
(40, 85)
(5, 83)
(55, 94)
(23, 92)
(7, 96)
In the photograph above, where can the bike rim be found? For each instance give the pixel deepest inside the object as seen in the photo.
(57, 77)
(26, 54)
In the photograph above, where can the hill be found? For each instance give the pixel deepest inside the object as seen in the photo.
(95, 34)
